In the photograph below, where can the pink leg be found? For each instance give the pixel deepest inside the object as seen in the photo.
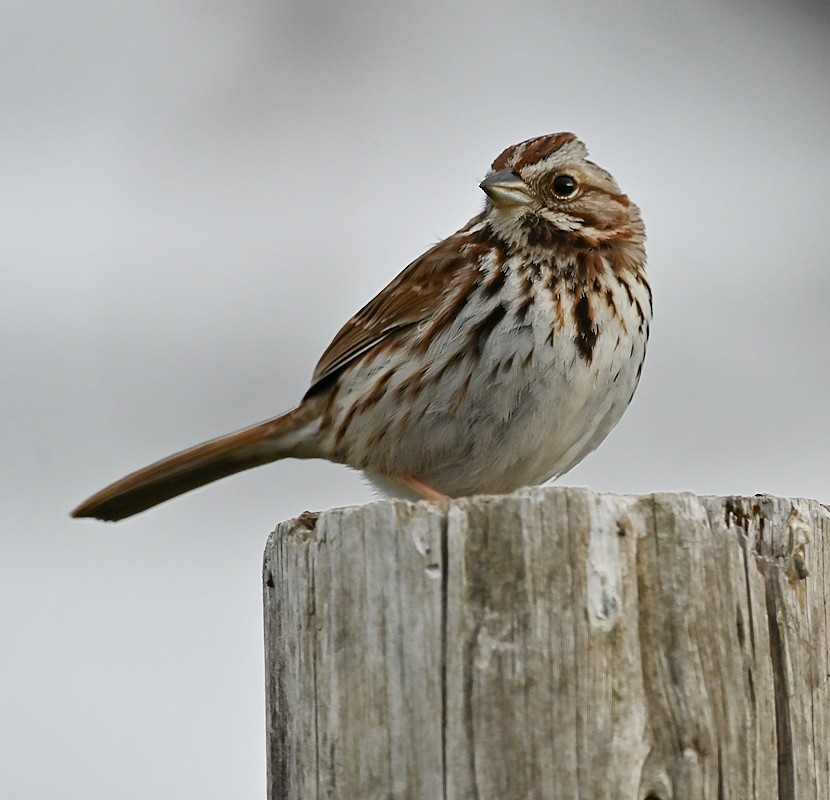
(420, 488)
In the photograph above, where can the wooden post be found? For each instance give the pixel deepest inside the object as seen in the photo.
(553, 643)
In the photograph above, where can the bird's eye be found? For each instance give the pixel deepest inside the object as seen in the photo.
(564, 186)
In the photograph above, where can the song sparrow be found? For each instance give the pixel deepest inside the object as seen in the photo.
(500, 358)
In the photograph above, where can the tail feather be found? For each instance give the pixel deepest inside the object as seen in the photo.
(281, 437)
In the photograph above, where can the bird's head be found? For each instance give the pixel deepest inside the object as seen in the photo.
(544, 192)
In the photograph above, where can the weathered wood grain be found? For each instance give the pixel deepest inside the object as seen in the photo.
(549, 644)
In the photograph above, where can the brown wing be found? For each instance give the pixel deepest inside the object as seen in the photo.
(413, 297)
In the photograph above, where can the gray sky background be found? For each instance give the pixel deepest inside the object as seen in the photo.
(196, 195)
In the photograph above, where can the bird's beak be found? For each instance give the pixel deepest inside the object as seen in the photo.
(506, 188)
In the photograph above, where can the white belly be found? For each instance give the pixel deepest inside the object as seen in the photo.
(532, 406)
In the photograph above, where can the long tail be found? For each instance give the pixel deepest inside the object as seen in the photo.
(291, 435)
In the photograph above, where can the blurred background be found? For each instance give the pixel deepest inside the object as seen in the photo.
(196, 195)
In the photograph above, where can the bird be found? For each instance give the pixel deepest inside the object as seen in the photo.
(498, 359)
